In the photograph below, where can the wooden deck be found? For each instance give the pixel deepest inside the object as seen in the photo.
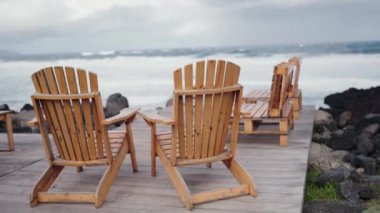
(279, 174)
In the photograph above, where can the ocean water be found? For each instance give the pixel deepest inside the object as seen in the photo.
(145, 76)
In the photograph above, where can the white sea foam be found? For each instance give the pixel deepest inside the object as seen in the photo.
(148, 80)
(87, 53)
(110, 52)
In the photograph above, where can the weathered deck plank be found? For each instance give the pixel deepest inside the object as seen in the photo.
(279, 174)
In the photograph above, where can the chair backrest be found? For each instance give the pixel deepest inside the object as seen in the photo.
(205, 95)
(68, 100)
(281, 82)
(296, 61)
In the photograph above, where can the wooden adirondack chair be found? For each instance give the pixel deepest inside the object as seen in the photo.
(295, 94)
(278, 110)
(6, 117)
(74, 114)
(202, 109)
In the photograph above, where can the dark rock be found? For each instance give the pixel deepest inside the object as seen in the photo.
(343, 118)
(365, 192)
(337, 174)
(169, 102)
(367, 163)
(330, 206)
(371, 130)
(342, 139)
(349, 191)
(321, 134)
(359, 102)
(27, 107)
(364, 145)
(348, 157)
(376, 141)
(115, 103)
(367, 120)
(376, 156)
(4, 107)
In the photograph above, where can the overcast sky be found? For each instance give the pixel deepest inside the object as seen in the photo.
(40, 26)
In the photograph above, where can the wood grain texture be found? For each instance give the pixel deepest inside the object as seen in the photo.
(279, 176)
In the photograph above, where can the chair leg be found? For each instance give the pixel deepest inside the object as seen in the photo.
(8, 124)
(283, 126)
(177, 180)
(45, 182)
(131, 146)
(241, 174)
(79, 169)
(284, 140)
(109, 176)
(248, 125)
(153, 151)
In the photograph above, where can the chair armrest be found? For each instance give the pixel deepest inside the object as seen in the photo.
(153, 117)
(33, 122)
(124, 115)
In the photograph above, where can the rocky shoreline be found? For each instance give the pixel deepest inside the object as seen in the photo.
(115, 102)
(346, 151)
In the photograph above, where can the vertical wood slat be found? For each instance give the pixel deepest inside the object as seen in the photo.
(225, 112)
(220, 73)
(61, 80)
(235, 122)
(54, 120)
(207, 112)
(98, 115)
(82, 79)
(178, 107)
(231, 78)
(45, 108)
(59, 109)
(296, 61)
(274, 101)
(200, 67)
(71, 81)
(189, 112)
(44, 133)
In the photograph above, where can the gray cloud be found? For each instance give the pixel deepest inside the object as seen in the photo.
(59, 27)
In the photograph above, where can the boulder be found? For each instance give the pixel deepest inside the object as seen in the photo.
(330, 206)
(376, 141)
(4, 107)
(367, 163)
(342, 139)
(370, 130)
(336, 174)
(367, 120)
(27, 107)
(359, 102)
(115, 103)
(365, 192)
(323, 118)
(349, 191)
(321, 134)
(359, 171)
(169, 102)
(325, 158)
(364, 144)
(344, 118)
